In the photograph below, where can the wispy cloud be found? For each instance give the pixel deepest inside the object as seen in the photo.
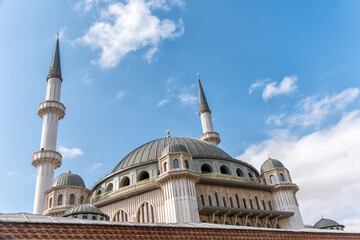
(96, 166)
(128, 27)
(275, 119)
(85, 5)
(187, 98)
(120, 94)
(286, 86)
(86, 79)
(12, 173)
(319, 162)
(162, 102)
(70, 152)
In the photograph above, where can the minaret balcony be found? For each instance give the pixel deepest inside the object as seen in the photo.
(46, 156)
(50, 106)
(211, 137)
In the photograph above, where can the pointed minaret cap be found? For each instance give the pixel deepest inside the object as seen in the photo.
(203, 106)
(55, 67)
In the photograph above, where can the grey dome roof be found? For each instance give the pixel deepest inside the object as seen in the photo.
(68, 179)
(326, 223)
(270, 164)
(151, 151)
(174, 147)
(83, 208)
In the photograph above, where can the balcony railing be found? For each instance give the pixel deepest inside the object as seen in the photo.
(215, 175)
(122, 190)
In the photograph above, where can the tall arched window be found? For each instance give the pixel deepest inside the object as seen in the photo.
(250, 175)
(120, 216)
(216, 200)
(146, 213)
(125, 181)
(176, 163)
(165, 166)
(257, 202)
(60, 198)
(244, 202)
(264, 205)
(98, 192)
(144, 175)
(239, 172)
(224, 170)
(224, 201)
(237, 201)
(109, 187)
(272, 179)
(50, 202)
(205, 168)
(72, 199)
(270, 206)
(186, 164)
(82, 200)
(202, 200)
(251, 204)
(282, 177)
(209, 201)
(231, 202)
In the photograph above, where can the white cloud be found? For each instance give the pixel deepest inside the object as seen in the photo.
(325, 164)
(85, 5)
(287, 85)
(128, 27)
(314, 110)
(96, 166)
(187, 99)
(86, 79)
(162, 102)
(12, 173)
(120, 94)
(257, 84)
(275, 119)
(70, 152)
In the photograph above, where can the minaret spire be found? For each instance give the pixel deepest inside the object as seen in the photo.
(209, 135)
(51, 111)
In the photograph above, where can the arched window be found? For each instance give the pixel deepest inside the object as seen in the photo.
(227, 223)
(125, 181)
(272, 179)
(270, 206)
(224, 201)
(186, 164)
(93, 217)
(50, 202)
(224, 170)
(60, 197)
(282, 177)
(205, 168)
(277, 226)
(120, 216)
(250, 175)
(239, 172)
(209, 201)
(165, 166)
(202, 200)
(144, 175)
(146, 213)
(257, 202)
(244, 202)
(176, 163)
(251, 204)
(237, 201)
(82, 199)
(98, 192)
(109, 187)
(264, 205)
(84, 217)
(72, 199)
(231, 202)
(216, 200)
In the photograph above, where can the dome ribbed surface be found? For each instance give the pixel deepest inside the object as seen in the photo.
(68, 179)
(270, 164)
(174, 147)
(83, 208)
(151, 151)
(326, 223)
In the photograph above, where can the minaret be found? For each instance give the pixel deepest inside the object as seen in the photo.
(51, 111)
(209, 135)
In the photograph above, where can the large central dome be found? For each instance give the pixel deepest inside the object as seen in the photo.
(151, 151)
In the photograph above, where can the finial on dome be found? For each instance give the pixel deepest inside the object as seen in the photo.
(269, 157)
(168, 133)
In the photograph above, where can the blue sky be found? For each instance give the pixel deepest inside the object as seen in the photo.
(281, 78)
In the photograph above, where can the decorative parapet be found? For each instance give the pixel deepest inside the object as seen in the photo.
(46, 156)
(212, 137)
(50, 106)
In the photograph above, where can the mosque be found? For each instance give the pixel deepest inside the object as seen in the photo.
(167, 180)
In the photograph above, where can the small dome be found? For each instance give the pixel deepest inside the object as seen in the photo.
(68, 179)
(324, 223)
(174, 147)
(84, 209)
(270, 164)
